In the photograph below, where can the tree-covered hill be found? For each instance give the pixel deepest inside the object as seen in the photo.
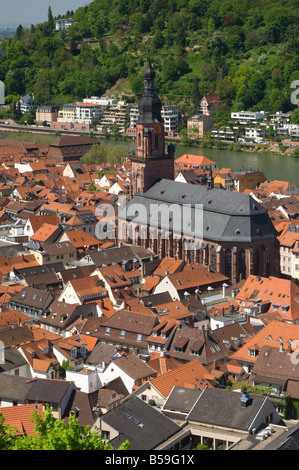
(244, 50)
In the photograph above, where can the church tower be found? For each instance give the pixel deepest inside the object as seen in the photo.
(150, 162)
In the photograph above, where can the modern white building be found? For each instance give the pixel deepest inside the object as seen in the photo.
(254, 133)
(170, 114)
(64, 23)
(288, 129)
(103, 101)
(88, 113)
(249, 116)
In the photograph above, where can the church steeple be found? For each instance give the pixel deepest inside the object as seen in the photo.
(150, 162)
(150, 105)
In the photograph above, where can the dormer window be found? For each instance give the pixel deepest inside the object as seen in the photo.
(252, 352)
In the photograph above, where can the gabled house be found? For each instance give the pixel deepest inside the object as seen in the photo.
(34, 223)
(14, 363)
(130, 368)
(275, 334)
(61, 317)
(72, 350)
(16, 390)
(32, 302)
(50, 253)
(278, 369)
(139, 423)
(192, 375)
(128, 330)
(82, 241)
(189, 343)
(42, 362)
(222, 419)
(82, 290)
(117, 283)
(265, 294)
(45, 234)
(190, 281)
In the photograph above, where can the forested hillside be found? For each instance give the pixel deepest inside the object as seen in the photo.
(244, 50)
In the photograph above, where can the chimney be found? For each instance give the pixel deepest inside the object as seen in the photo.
(245, 400)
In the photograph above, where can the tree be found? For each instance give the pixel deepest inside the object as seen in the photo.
(51, 22)
(53, 434)
(96, 155)
(295, 116)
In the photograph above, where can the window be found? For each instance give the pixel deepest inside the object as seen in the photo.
(106, 435)
(139, 337)
(122, 333)
(107, 332)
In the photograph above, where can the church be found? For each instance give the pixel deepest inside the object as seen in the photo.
(235, 235)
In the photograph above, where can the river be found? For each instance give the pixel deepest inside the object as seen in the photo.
(278, 167)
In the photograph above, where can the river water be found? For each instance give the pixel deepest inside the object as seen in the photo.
(278, 167)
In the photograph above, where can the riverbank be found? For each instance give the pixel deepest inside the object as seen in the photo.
(47, 136)
(274, 165)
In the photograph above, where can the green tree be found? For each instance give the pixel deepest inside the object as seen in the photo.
(54, 434)
(96, 155)
(295, 116)
(51, 22)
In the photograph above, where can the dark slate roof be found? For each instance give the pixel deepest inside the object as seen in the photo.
(16, 336)
(142, 425)
(102, 352)
(181, 399)
(48, 390)
(13, 387)
(32, 270)
(30, 297)
(217, 407)
(118, 255)
(227, 216)
(13, 360)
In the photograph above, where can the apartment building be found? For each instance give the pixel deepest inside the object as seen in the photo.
(64, 23)
(88, 113)
(118, 115)
(289, 254)
(170, 115)
(249, 116)
(67, 113)
(198, 125)
(46, 113)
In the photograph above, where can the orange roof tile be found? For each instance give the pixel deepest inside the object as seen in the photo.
(21, 417)
(168, 266)
(271, 334)
(199, 160)
(191, 374)
(281, 294)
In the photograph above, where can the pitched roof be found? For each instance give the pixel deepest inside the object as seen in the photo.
(189, 375)
(271, 335)
(194, 160)
(44, 232)
(218, 407)
(133, 366)
(168, 265)
(139, 423)
(20, 417)
(281, 294)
